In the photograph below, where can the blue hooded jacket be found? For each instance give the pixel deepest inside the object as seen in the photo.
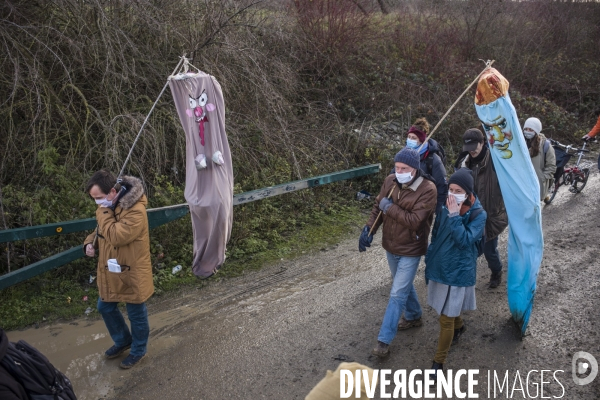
(452, 254)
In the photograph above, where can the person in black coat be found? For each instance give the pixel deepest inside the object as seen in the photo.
(10, 389)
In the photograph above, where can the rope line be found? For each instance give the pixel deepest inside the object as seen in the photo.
(181, 59)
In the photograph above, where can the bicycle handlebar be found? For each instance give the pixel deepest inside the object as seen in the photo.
(568, 147)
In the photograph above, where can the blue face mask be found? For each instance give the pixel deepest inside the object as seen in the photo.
(412, 143)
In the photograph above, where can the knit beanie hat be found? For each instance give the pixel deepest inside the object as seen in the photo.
(420, 134)
(409, 157)
(463, 178)
(533, 124)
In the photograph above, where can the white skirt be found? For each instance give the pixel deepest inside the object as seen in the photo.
(450, 300)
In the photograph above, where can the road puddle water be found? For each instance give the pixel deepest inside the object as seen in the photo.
(77, 348)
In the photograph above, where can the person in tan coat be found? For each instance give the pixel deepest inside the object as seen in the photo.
(541, 153)
(122, 235)
(407, 200)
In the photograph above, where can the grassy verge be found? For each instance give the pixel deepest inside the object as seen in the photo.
(70, 293)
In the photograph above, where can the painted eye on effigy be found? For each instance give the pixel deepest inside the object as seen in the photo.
(193, 103)
(202, 99)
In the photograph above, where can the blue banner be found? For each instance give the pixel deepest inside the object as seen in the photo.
(521, 193)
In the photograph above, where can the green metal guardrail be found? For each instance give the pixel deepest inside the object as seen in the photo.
(156, 217)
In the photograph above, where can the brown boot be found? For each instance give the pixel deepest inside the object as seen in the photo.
(381, 350)
(406, 324)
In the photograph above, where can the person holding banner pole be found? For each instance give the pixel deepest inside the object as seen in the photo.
(407, 202)
(478, 159)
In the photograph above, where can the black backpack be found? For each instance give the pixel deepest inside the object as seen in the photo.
(480, 243)
(36, 374)
(429, 160)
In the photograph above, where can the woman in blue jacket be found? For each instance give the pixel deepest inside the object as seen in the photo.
(451, 260)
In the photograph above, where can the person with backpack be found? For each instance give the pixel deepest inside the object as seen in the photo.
(405, 207)
(431, 156)
(451, 261)
(476, 157)
(541, 153)
(124, 267)
(10, 388)
(25, 373)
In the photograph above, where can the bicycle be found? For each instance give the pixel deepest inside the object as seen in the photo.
(576, 176)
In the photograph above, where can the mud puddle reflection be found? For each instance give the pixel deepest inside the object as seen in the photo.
(77, 348)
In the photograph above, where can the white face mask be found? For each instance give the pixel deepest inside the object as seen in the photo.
(404, 178)
(459, 197)
(412, 143)
(104, 202)
(528, 134)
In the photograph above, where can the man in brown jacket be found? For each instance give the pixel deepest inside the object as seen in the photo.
(479, 160)
(122, 235)
(407, 200)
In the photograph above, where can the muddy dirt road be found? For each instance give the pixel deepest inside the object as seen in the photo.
(274, 333)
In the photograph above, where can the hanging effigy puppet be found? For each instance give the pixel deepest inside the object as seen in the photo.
(520, 190)
(209, 172)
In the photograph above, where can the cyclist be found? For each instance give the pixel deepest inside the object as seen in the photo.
(541, 153)
(595, 130)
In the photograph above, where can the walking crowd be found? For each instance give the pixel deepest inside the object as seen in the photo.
(464, 214)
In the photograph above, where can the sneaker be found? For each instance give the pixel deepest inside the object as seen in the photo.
(406, 324)
(495, 280)
(381, 350)
(130, 361)
(116, 351)
(457, 333)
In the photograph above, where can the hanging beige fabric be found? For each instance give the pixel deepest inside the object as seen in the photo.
(209, 173)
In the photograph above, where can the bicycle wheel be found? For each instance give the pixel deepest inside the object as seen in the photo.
(579, 182)
(552, 189)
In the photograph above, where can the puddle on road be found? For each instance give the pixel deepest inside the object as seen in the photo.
(77, 348)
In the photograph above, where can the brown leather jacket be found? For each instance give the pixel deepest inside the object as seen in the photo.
(407, 223)
(487, 189)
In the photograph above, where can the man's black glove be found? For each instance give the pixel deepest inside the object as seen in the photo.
(365, 239)
(118, 197)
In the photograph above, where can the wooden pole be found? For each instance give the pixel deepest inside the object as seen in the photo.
(488, 65)
(379, 215)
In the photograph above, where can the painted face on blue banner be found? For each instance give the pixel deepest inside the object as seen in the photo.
(499, 135)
